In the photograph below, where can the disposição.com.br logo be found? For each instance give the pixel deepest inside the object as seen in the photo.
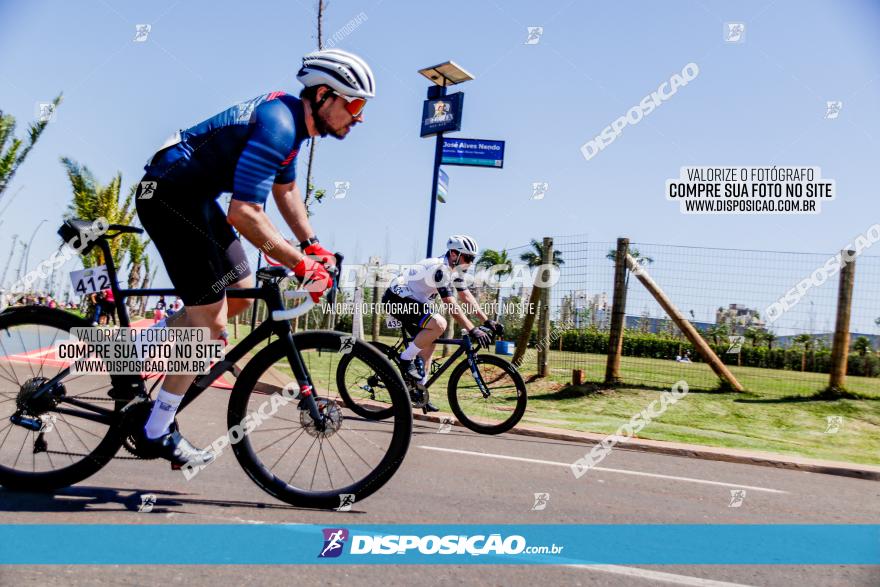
(431, 544)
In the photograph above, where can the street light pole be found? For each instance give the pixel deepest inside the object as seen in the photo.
(8, 260)
(30, 242)
(442, 75)
(435, 92)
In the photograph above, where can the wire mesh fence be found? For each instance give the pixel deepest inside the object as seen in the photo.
(769, 315)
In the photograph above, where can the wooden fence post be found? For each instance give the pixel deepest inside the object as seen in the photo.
(618, 314)
(840, 344)
(686, 327)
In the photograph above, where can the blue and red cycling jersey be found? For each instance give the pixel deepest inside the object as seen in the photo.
(243, 150)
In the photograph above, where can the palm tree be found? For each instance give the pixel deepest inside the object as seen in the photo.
(492, 258)
(769, 337)
(805, 343)
(91, 201)
(718, 332)
(753, 334)
(862, 346)
(137, 259)
(14, 152)
(634, 253)
(535, 257)
(309, 186)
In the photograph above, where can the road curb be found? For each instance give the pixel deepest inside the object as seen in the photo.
(709, 453)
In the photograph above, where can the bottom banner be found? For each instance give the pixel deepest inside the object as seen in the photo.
(790, 544)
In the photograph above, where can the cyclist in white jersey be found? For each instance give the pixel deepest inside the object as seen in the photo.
(410, 296)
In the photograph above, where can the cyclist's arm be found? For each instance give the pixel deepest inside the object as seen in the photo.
(254, 224)
(293, 209)
(468, 298)
(457, 312)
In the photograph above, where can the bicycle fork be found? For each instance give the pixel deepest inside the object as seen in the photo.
(306, 389)
(475, 373)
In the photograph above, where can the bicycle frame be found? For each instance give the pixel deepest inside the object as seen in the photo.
(269, 293)
(464, 346)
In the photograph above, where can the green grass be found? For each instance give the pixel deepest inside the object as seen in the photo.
(782, 411)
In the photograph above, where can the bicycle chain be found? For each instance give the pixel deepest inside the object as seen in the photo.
(74, 454)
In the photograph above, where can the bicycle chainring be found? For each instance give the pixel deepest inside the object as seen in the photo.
(134, 417)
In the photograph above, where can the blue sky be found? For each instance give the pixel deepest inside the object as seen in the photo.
(760, 102)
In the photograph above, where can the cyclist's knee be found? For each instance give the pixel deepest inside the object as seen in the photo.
(437, 322)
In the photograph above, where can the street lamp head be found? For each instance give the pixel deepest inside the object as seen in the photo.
(446, 74)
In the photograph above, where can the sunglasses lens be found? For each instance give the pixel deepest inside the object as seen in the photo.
(355, 106)
(467, 258)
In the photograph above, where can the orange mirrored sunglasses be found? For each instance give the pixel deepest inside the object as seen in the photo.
(354, 106)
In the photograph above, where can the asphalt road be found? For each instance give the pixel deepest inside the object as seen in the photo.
(459, 477)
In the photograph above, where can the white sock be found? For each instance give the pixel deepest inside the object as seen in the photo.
(410, 353)
(425, 378)
(163, 414)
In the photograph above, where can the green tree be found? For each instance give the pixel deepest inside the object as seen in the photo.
(92, 200)
(13, 151)
(492, 258)
(534, 257)
(862, 346)
(805, 343)
(635, 254)
(753, 335)
(137, 261)
(718, 332)
(769, 337)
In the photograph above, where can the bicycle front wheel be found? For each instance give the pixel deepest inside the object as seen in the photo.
(287, 455)
(362, 390)
(496, 407)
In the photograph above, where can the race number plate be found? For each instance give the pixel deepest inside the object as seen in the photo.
(86, 281)
(392, 322)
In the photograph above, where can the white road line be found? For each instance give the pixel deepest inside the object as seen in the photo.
(656, 576)
(606, 469)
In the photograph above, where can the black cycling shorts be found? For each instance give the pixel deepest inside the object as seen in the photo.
(413, 314)
(201, 252)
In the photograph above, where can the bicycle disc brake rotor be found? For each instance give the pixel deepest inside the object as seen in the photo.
(332, 418)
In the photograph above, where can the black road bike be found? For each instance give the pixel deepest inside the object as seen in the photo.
(486, 393)
(58, 428)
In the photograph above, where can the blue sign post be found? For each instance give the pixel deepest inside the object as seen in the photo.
(473, 152)
(442, 186)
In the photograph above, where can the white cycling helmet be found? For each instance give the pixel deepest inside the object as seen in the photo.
(345, 72)
(463, 244)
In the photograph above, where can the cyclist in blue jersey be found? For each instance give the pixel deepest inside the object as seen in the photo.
(249, 150)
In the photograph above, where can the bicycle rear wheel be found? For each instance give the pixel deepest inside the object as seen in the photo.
(498, 412)
(64, 448)
(286, 455)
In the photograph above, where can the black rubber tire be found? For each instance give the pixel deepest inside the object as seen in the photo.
(265, 479)
(521, 400)
(105, 450)
(361, 411)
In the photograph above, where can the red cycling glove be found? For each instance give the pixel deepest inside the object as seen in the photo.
(319, 253)
(315, 278)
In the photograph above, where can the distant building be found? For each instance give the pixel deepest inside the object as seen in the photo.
(738, 318)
